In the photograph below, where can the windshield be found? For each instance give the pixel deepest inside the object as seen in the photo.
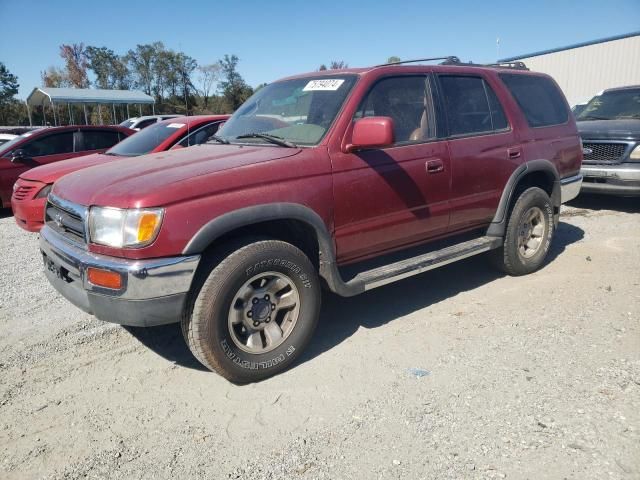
(298, 111)
(613, 105)
(145, 140)
(127, 123)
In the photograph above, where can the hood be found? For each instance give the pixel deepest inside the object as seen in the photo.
(623, 129)
(53, 171)
(148, 180)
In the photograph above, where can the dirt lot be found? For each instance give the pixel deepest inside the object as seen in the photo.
(534, 377)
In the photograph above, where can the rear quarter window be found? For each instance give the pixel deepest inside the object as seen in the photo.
(539, 98)
(100, 139)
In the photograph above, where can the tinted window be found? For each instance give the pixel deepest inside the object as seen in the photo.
(99, 140)
(145, 140)
(540, 100)
(50, 145)
(467, 105)
(146, 123)
(408, 101)
(498, 119)
(201, 135)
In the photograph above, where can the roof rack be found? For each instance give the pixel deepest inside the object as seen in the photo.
(416, 60)
(453, 60)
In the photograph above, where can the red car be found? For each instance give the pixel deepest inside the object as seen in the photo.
(344, 180)
(31, 189)
(48, 145)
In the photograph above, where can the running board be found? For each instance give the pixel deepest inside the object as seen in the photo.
(413, 266)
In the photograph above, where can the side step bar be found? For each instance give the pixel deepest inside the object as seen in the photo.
(413, 266)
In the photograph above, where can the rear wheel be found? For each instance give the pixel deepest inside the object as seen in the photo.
(528, 235)
(253, 311)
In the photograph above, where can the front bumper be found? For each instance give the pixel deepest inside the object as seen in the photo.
(620, 179)
(29, 214)
(153, 292)
(570, 188)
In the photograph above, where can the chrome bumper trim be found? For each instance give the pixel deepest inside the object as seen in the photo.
(570, 188)
(142, 279)
(622, 172)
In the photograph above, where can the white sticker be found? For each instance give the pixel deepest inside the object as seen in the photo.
(325, 84)
(175, 125)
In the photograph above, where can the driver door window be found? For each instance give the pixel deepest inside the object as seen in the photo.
(406, 100)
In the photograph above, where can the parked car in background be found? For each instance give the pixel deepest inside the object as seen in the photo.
(47, 145)
(359, 177)
(610, 129)
(578, 108)
(5, 137)
(32, 188)
(138, 123)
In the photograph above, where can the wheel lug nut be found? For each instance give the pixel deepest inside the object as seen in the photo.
(254, 301)
(255, 324)
(249, 314)
(273, 306)
(266, 297)
(268, 320)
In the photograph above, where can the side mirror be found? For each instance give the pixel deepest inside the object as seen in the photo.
(19, 156)
(371, 132)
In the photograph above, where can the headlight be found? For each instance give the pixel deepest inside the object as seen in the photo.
(635, 154)
(119, 228)
(45, 191)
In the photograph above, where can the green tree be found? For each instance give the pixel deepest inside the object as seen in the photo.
(322, 68)
(8, 89)
(393, 59)
(110, 69)
(338, 65)
(142, 61)
(233, 87)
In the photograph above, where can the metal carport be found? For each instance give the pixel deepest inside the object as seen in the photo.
(56, 96)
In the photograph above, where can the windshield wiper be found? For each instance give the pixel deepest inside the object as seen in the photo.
(270, 138)
(217, 139)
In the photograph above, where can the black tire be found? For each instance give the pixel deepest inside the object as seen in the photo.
(510, 258)
(207, 326)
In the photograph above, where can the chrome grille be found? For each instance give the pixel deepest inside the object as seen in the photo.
(66, 218)
(604, 152)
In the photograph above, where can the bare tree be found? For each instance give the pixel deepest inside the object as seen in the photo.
(208, 75)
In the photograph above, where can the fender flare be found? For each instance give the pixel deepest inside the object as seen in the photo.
(499, 222)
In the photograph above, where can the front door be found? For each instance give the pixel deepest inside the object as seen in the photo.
(396, 196)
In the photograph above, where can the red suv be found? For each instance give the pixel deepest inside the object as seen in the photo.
(31, 189)
(48, 145)
(347, 179)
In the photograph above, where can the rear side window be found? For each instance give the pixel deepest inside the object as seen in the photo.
(471, 106)
(50, 145)
(99, 139)
(539, 99)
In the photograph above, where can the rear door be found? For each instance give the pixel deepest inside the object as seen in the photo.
(387, 198)
(483, 146)
(95, 141)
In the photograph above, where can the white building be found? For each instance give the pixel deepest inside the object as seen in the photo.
(584, 69)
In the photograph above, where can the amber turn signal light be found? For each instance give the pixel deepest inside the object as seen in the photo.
(104, 278)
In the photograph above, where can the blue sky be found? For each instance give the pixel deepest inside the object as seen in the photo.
(278, 38)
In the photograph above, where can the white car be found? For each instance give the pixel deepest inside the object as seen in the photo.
(138, 123)
(5, 137)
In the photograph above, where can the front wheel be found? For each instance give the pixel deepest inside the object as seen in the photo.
(528, 235)
(254, 311)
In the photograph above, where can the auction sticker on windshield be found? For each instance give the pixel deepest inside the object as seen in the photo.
(175, 125)
(325, 84)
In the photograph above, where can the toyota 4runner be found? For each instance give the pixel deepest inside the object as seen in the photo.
(347, 179)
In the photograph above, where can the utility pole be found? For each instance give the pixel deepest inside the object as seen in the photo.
(497, 48)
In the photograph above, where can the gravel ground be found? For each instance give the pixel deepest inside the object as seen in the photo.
(458, 373)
